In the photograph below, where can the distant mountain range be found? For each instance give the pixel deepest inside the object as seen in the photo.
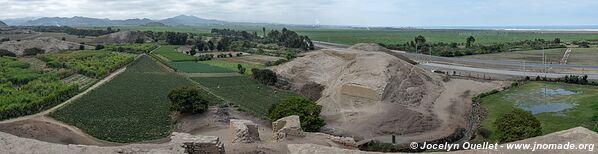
(181, 20)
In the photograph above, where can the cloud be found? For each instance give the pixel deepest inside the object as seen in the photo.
(335, 12)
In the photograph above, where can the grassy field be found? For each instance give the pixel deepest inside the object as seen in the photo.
(197, 67)
(248, 94)
(561, 107)
(130, 108)
(95, 64)
(231, 66)
(169, 52)
(532, 56)
(579, 56)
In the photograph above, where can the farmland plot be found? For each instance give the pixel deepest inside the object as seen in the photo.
(169, 52)
(132, 107)
(248, 94)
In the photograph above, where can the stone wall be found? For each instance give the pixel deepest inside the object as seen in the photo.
(244, 131)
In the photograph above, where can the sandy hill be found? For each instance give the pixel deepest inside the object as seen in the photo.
(377, 47)
(122, 37)
(48, 44)
(367, 93)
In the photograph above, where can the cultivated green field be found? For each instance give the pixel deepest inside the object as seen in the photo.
(196, 67)
(579, 56)
(560, 107)
(131, 107)
(232, 66)
(169, 52)
(393, 36)
(248, 94)
(553, 56)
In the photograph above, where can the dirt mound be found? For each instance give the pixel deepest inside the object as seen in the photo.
(367, 94)
(48, 44)
(377, 47)
(122, 37)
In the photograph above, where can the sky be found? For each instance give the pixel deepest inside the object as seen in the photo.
(392, 13)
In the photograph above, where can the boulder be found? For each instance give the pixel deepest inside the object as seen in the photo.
(244, 131)
(287, 126)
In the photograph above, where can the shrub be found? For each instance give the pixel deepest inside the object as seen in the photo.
(7, 53)
(187, 99)
(99, 47)
(265, 76)
(33, 51)
(308, 112)
(517, 125)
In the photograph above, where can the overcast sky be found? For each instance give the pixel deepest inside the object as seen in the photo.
(329, 12)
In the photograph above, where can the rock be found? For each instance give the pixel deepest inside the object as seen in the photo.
(244, 131)
(287, 126)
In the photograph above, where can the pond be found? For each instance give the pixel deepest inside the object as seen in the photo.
(545, 100)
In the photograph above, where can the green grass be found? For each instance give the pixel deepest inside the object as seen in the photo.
(389, 36)
(196, 67)
(131, 107)
(169, 51)
(394, 36)
(579, 56)
(248, 94)
(585, 114)
(232, 66)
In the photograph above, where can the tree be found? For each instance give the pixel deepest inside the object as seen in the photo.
(419, 40)
(264, 30)
(81, 47)
(187, 99)
(241, 69)
(517, 125)
(63, 39)
(265, 76)
(308, 112)
(470, 40)
(557, 41)
(210, 45)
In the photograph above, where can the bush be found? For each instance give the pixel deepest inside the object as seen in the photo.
(33, 51)
(265, 76)
(7, 53)
(308, 112)
(99, 47)
(187, 99)
(517, 125)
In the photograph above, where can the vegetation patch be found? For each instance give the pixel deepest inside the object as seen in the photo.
(557, 106)
(308, 112)
(95, 64)
(195, 67)
(132, 107)
(231, 66)
(248, 94)
(128, 48)
(25, 91)
(169, 51)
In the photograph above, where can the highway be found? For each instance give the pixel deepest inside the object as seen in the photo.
(445, 63)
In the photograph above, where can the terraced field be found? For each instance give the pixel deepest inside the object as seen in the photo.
(132, 107)
(248, 94)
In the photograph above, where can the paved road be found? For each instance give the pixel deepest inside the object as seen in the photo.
(421, 57)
